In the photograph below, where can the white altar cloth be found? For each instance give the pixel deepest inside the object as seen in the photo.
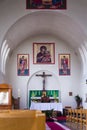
(46, 106)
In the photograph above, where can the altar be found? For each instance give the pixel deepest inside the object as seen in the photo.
(46, 106)
(44, 99)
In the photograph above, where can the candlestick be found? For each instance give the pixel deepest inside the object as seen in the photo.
(18, 92)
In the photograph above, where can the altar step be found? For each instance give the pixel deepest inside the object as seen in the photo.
(55, 126)
(60, 119)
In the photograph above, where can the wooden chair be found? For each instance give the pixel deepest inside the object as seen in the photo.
(74, 118)
(69, 116)
(84, 118)
(77, 118)
(5, 96)
(66, 109)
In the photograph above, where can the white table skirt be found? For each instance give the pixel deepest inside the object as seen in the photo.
(46, 106)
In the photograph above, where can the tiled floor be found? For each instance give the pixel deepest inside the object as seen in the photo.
(74, 126)
(60, 126)
(71, 126)
(47, 128)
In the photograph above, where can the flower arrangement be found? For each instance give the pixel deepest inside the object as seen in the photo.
(78, 100)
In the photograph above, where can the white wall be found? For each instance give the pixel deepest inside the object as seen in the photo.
(2, 78)
(65, 84)
(10, 12)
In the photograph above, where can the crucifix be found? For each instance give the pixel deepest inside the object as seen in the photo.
(44, 77)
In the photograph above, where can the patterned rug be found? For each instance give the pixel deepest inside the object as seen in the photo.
(55, 126)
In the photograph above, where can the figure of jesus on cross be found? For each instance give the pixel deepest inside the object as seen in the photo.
(44, 97)
(44, 77)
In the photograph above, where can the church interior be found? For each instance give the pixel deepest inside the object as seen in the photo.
(43, 63)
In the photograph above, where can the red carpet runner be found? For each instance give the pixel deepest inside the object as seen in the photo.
(56, 126)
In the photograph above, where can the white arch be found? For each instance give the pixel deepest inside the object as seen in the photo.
(83, 59)
(3, 46)
(5, 58)
(40, 72)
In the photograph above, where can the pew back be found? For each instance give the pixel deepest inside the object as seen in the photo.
(22, 120)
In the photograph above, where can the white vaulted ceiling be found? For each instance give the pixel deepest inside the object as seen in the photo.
(46, 22)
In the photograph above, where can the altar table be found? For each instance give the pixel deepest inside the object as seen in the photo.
(46, 106)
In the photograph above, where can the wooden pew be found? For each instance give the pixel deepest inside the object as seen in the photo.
(22, 120)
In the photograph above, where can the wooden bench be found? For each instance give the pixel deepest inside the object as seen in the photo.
(22, 120)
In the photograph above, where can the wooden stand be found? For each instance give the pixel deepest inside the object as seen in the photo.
(6, 96)
(16, 103)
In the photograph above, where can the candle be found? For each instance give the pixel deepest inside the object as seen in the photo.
(18, 92)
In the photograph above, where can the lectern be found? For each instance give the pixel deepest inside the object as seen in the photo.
(5, 96)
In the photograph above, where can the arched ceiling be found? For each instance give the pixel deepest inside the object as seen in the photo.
(45, 22)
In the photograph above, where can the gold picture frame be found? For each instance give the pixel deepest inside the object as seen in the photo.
(23, 64)
(64, 64)
(46, 4)
(43, 53)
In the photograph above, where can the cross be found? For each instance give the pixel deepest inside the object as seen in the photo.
(44, 77)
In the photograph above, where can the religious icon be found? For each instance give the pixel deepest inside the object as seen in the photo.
(44, 97)
(43, 53)
(46, 4)
(22, 64)
(64, 64)
(70, 93)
